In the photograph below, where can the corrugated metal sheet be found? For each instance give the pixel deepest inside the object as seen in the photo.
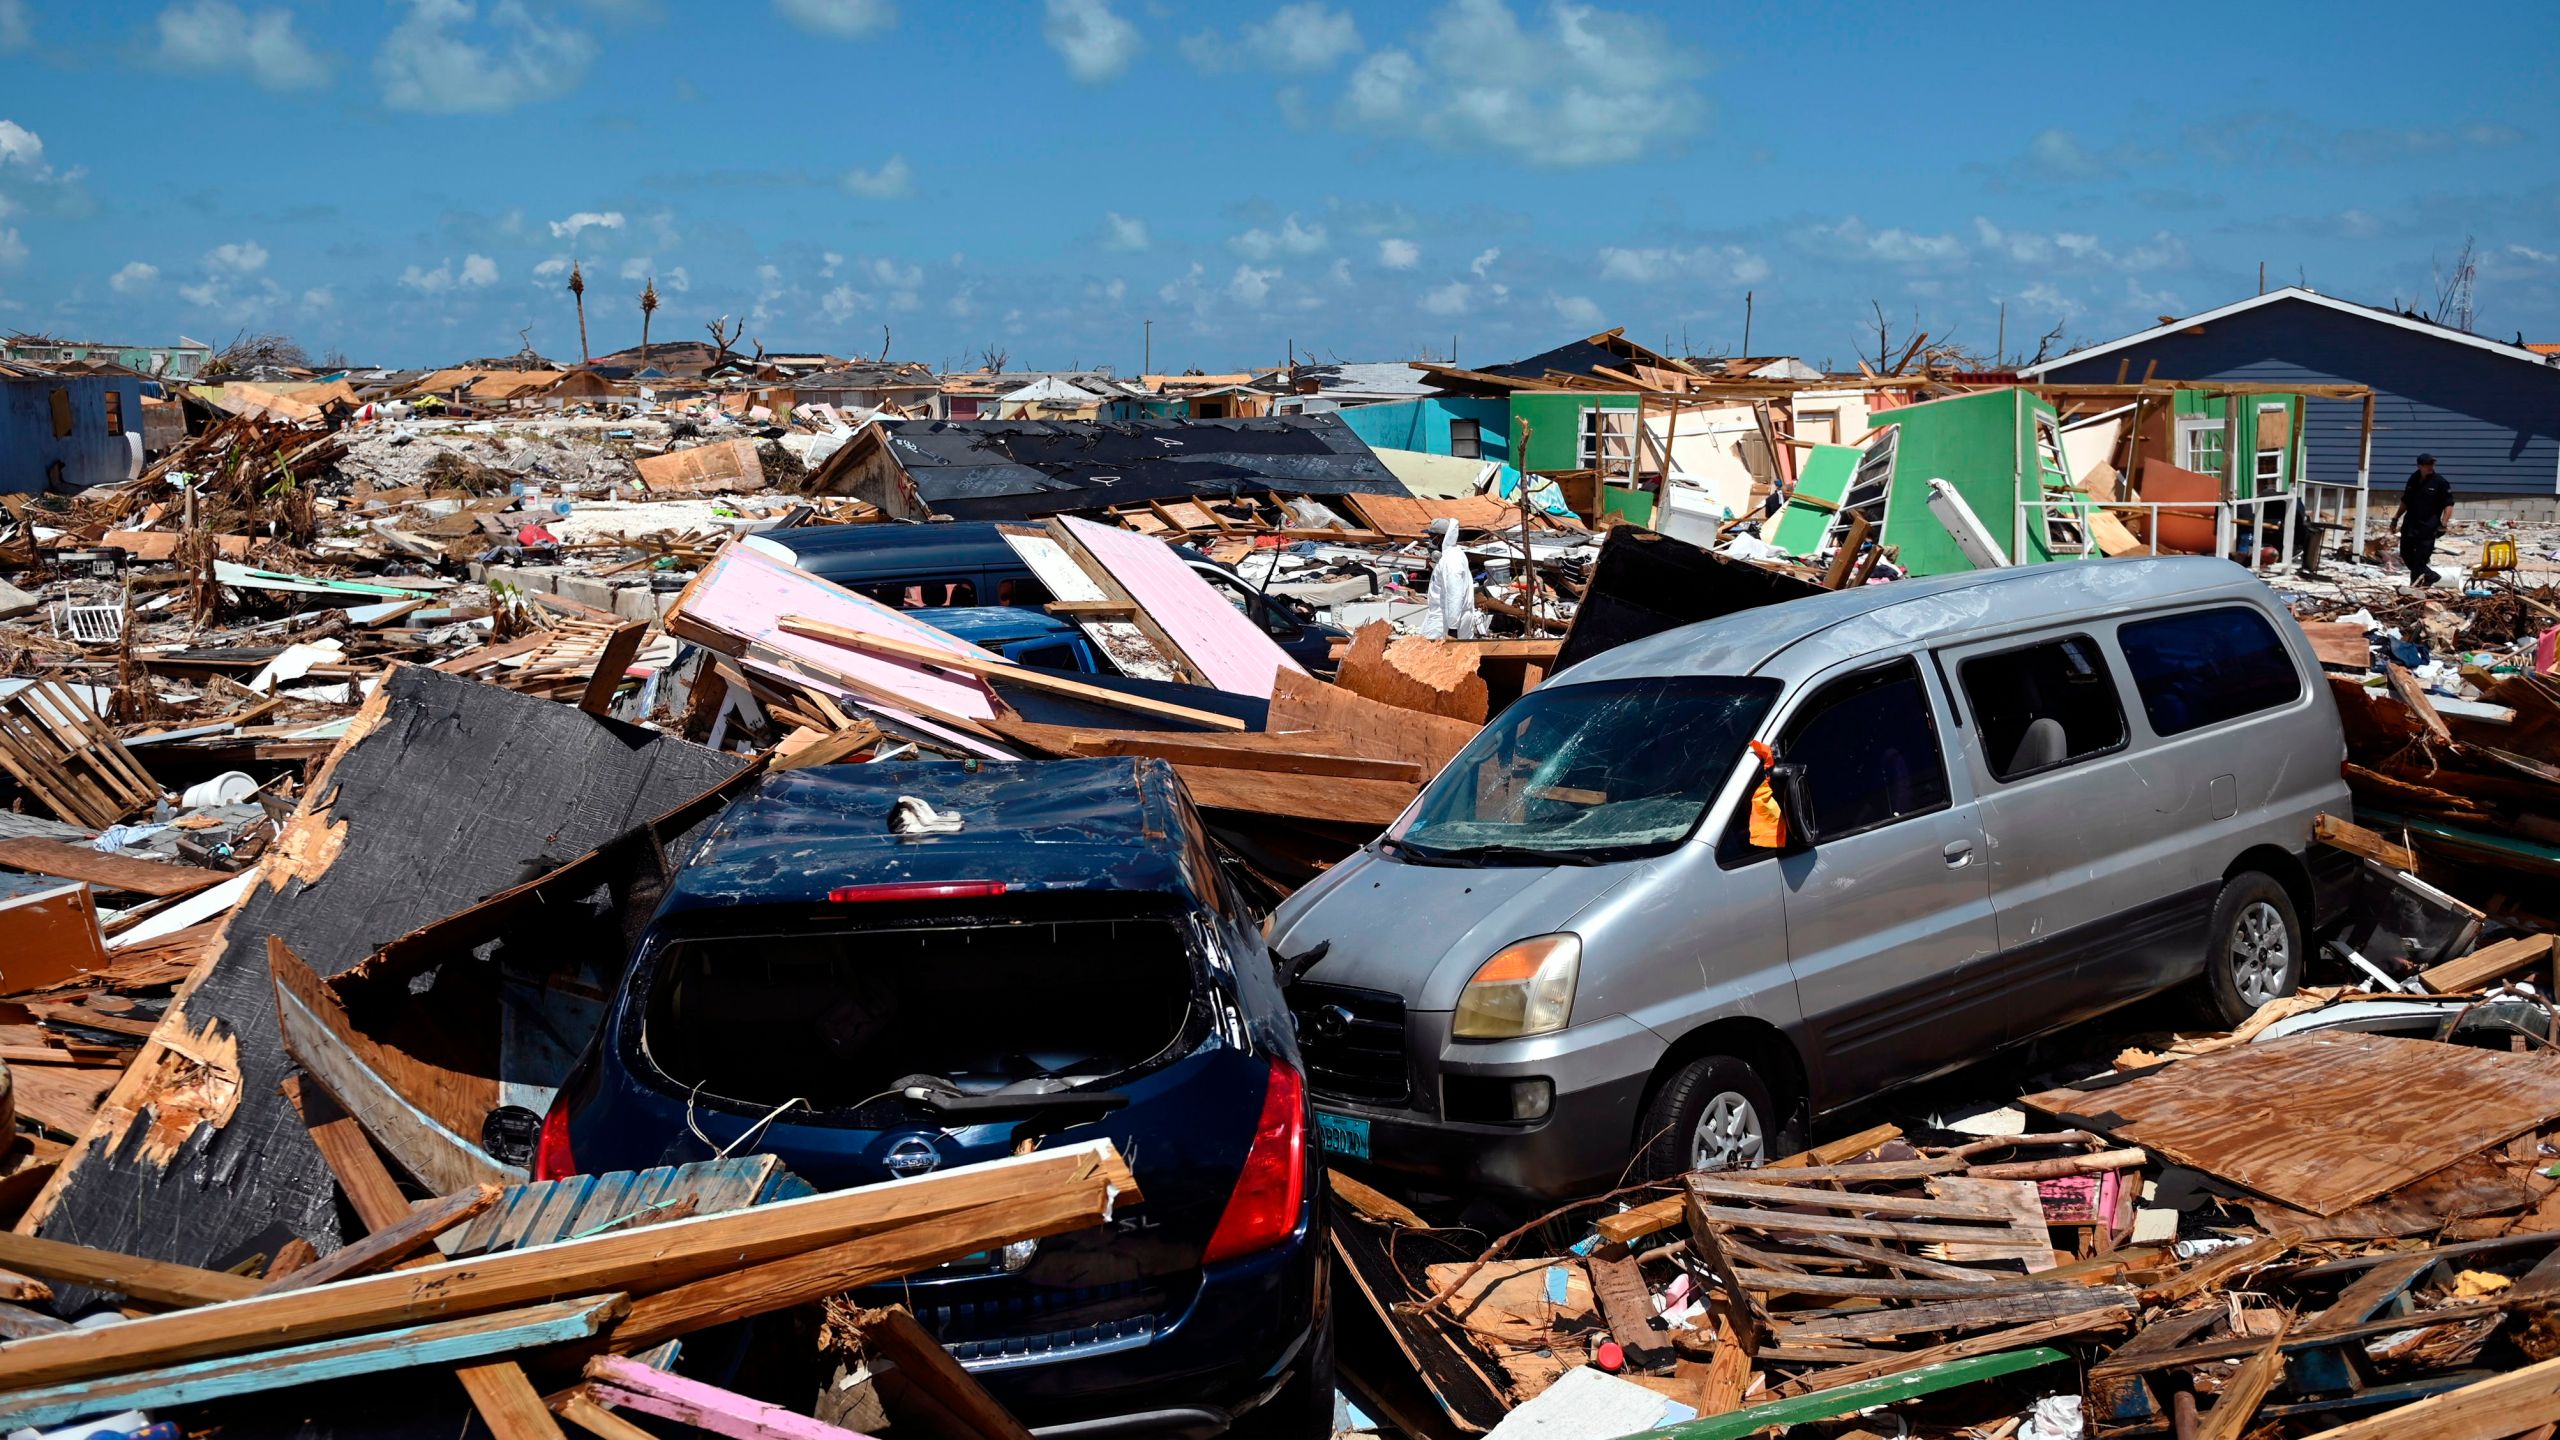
(2492, 423)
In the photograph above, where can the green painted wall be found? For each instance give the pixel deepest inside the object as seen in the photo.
(1972, 442)
(1555, 421)
(2195, 404)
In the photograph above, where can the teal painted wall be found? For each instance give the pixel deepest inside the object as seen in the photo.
(1424, 424)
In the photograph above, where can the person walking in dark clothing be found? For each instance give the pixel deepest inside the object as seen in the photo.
(2426, 508)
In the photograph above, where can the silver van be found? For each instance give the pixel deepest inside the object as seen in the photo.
(1987, 806)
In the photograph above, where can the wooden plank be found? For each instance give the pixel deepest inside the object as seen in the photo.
(442, 1343)
(2028, 1240)
(2237, 1402)
(1784, 1224)
(1719, 1188)
(2340, 643)
(2490, 1409)
(2218, 1266)
(2406, 688)
(1884, 1287)
(2048, 1303)
(1618, 1285)
(2487, 965)
(996, 667)
(2356, 840)
(615, 658)
(895, 1334)
(507, 1402)
(154, 1282)
(369, 1188)
(107, 872)
(1302, 705)
(393, 1243)
(1089, 1177)
(1223, 753)
(626, 1383)
(2361, 1114)
(359, 1073)
(1259, 792)
(576, 1405)
(1806, 1165)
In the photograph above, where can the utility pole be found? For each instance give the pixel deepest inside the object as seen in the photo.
(2000, 346)
(1147, 365)
(2262, 277)
(1746, 322)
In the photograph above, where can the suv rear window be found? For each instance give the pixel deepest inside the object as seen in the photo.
(2043, 706)
(840, 1019)
(2207, 666)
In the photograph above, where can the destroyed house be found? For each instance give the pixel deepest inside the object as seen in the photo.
(871, 385)
(1998, 451)
(62, 432)
(2489, 412)
(1022, 469)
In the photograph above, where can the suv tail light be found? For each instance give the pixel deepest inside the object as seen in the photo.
(1263, 1211)
(551, 1157)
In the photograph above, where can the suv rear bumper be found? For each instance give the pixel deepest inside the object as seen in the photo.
(1247, 1330)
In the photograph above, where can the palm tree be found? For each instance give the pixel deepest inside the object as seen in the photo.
(578, 292)
(648, 307)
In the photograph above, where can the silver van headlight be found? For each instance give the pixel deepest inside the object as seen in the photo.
(1525, 989)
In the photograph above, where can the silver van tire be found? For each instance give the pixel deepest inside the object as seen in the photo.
(1713, 1113)
(2254, 947)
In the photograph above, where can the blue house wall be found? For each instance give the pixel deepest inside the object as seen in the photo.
(2492, 421)
(1424, 424)
(89, 455)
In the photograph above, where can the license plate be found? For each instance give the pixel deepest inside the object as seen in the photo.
(1344, 1135)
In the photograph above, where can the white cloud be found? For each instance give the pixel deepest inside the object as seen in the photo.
(2043, 296)
(1299, 39)
(135, 278)
(478, 272)
(424, 281)
(240, 257)
(891, 181)
(1576, 310)
(1585, 87)
(2024, 246)
(890, 275)
(552, 269)
(830, 261)
(23, 148)
(677, 280)
(2538, 257)
(1291, 238)
(15, 31)
(204, 295)
(318, 297)
(1449, 299)
(637, 267)
(586, 220)
(1484, 261)
(1120, 232)
(1250, 287)
(216, 35)
(1096, 43)
(1653, 265)
(1188, 288)
(843, 303)
(438, 61)
(1397, 254)
(1894, 246)
(13, 251)
(843, 19)
(1116, 291)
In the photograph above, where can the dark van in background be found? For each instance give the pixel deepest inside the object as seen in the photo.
(826, 982)
(967, 562)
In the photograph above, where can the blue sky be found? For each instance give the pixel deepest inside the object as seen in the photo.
(407, 182)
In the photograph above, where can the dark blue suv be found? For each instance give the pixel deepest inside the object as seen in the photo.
(836, 978)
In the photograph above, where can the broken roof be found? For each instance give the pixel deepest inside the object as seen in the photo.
(870, 375)
(1050, 390)
(1018, 469)
(1394, 379)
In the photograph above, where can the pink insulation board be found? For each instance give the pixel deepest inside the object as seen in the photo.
(745, 593)
(1226, 646)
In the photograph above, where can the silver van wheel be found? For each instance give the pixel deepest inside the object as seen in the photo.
(1728, 1135)
(2261, 954)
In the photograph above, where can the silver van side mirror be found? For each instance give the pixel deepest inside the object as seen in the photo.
(1788, 784)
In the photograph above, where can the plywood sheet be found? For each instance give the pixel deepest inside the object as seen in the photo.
(47, 938)
(727, 467)
(2327, 1120)
(740, 599)
(1221, 643)
(111, 872)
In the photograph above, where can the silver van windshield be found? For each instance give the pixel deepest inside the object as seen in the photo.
(1578, 774)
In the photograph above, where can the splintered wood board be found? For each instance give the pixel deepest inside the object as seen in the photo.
(1120, 641)
(1221, 643)
(2323, 1121)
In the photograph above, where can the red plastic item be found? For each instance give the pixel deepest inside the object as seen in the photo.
(1610, 1356)
(536, 534)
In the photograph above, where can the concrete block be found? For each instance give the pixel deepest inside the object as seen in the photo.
(634, 602)
(542, 579)
(15, 602)
(586, 590)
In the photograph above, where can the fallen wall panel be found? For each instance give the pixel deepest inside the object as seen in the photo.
(443, 792)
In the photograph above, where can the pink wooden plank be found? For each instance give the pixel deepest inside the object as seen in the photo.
(627, 1384)
(1228, 648)
(745, 592)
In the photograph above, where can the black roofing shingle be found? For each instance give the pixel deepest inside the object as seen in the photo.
(1018, 469)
